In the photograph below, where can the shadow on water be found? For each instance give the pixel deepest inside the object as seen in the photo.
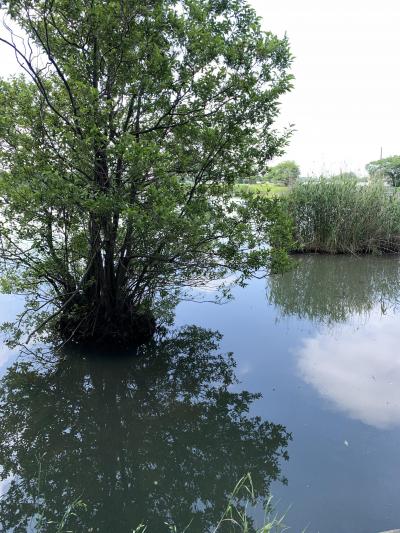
(330, 289)
(160, 438)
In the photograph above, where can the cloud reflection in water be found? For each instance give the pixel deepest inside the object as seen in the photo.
(358, 370)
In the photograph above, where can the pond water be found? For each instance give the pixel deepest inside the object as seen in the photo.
(308, 402)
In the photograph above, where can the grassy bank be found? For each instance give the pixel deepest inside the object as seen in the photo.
(265, 189)
(338, 215)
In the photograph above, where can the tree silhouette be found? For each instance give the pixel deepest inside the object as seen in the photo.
(152, 439)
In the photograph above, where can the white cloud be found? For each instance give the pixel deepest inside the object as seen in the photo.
(357, 370)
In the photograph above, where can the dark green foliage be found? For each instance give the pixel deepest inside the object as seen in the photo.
(338, 215)
(120, 152)
(162, 437)
(388, 169)
(285, 173)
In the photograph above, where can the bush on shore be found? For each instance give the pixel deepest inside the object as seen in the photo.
(338, 215)
(263, 189)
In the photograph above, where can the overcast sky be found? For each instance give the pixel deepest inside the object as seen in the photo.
(346, 100)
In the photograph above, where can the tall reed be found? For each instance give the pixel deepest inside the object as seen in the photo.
(339, 215)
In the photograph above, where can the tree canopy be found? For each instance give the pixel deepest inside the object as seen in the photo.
(119, 148)
(285, 173)
(387, 168)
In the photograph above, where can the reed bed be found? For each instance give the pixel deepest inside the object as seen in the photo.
(340, 216)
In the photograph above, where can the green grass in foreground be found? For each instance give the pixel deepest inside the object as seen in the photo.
(236, 519)
(265, 189)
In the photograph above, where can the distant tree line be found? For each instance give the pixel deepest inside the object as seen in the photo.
(285, 173)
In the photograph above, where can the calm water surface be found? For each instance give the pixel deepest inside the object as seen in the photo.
(297, 382)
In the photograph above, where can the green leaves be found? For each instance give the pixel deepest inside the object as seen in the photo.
(340, 215)
(285, 173)
(120, 147)
(388, 168)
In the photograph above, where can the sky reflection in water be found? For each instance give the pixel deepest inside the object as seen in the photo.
(358, 370)
(352, 359)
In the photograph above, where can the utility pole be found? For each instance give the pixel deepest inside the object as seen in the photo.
(381, 153)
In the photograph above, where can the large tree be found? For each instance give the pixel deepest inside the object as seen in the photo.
(285, 173)
(120, 145)
(387, 168)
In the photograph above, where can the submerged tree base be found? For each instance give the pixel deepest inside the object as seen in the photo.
(87, 325)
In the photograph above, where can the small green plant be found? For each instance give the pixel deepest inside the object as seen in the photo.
(235, 519)
(238, 517)
(41, 523)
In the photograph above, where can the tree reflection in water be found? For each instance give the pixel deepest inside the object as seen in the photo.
(153, 439)
(330, 289)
